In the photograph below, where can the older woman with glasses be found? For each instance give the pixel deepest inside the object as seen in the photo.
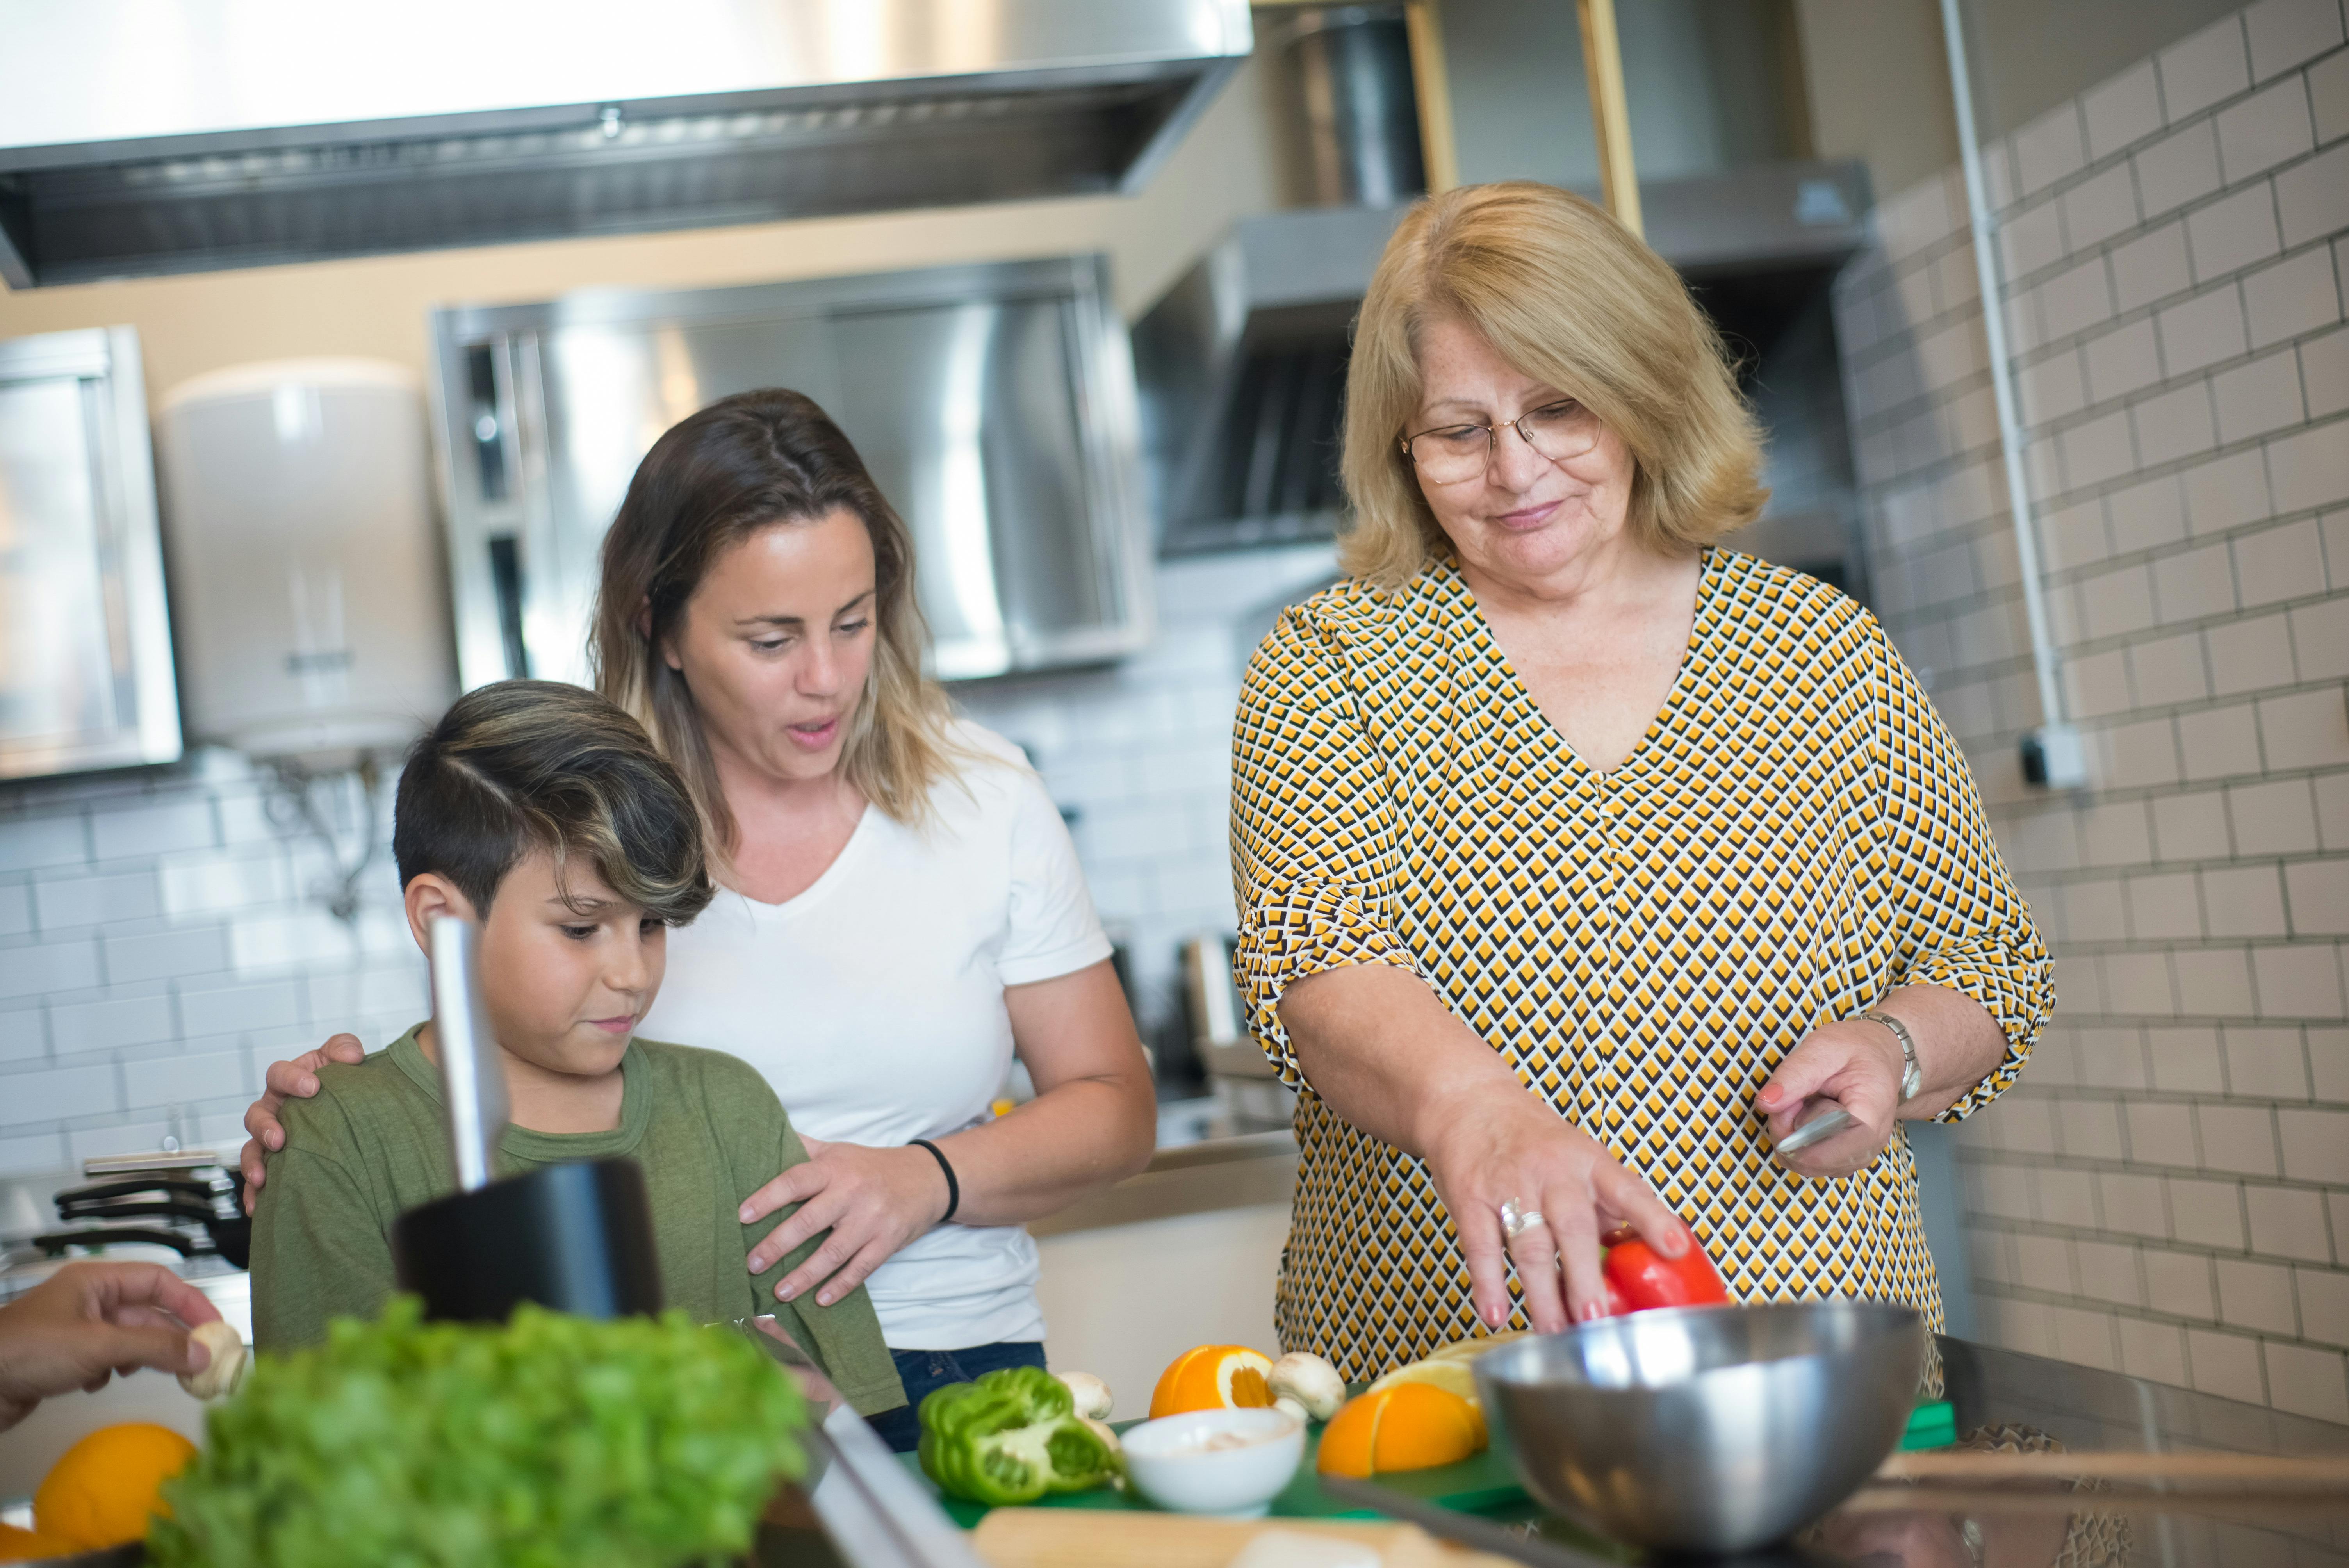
(1579, 859)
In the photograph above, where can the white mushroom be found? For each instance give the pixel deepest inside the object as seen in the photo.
(1311, 1381)
(1116, 1449)
(226, 1370)
(1284, 1402)
(1091, 1395)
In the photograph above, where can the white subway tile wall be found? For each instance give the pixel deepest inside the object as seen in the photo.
(160, 945)
(2167, 1190)
(1139, 754)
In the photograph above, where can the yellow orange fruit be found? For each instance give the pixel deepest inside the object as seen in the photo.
(1409, 1426)
(102, 1491)
(30, 1545)
(1212, 1377)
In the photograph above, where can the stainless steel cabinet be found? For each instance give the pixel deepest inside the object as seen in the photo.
(993, 404)
(85, 678)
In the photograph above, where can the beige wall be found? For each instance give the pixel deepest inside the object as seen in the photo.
(2035, 53)
(377, 307)
(1879, 91)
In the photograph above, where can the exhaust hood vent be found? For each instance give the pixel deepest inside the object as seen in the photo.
(1242, 364)
(127, 151)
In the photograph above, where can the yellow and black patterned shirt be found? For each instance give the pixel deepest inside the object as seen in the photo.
(1795, 836)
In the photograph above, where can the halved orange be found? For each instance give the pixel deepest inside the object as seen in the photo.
(1212, 1377)
(1405, 1426)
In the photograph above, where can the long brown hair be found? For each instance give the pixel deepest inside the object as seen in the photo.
(752, 461)
(1568, 296)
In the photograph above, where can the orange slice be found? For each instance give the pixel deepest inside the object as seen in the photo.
(1212, 1377)
(1406, 1426)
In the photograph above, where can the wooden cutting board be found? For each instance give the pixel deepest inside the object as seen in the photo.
(1064, 1538)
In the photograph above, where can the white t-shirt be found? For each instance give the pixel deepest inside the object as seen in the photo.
(874, 1003)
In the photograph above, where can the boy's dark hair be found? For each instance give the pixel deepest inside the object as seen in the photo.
(522, 765)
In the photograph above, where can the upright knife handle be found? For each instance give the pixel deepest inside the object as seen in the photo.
(472, 1074)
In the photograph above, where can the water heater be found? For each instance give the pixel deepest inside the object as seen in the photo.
(306, 588)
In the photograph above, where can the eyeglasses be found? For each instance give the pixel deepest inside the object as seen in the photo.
(1560, 432)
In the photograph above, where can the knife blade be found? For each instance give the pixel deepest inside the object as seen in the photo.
(472, 1075)
(1827, 1124)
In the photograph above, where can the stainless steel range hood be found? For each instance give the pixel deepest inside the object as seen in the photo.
(139, 137)
(1242, 364)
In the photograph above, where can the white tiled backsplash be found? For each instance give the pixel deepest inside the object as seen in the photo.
(158, 948)
(1140, 751)
(2167, 1188)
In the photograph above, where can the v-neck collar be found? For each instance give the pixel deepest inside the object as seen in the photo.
(868, 824)
(1519, 714)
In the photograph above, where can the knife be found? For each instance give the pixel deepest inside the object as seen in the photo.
(472, 1076)
(1827, 1124)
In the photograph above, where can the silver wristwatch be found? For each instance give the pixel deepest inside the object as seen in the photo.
(1912, 1076)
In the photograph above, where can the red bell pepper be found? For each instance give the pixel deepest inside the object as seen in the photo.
(1640, 1277)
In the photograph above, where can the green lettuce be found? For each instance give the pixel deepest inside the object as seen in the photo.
(550, 1442)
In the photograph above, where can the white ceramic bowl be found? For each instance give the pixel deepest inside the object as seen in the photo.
(1174, 1462)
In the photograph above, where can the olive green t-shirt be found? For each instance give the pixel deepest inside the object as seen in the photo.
(704, 1127)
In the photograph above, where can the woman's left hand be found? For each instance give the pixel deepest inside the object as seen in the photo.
(1857, 1065)
(872, 1200)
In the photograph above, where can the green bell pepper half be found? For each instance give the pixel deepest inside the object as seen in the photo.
(1009, 1438)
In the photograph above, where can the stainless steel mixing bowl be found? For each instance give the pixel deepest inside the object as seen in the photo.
(1706, 1429)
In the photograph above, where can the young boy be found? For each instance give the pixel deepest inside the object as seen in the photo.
(542, 812)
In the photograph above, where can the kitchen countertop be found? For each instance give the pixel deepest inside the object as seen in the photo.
(1228, 1172)
(1998, 1398)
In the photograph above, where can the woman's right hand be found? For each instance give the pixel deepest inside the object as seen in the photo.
(296, 1079)
(1382, 1052)
(1505, 1145)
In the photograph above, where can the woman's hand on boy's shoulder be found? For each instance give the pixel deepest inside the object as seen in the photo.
(871, 1201)
(296, 1079)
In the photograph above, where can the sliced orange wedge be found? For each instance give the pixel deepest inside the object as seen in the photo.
(1470, 1349)
(1405, 1426)
(1212, 1377)
(1452, 1375)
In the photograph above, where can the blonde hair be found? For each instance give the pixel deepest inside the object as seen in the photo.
(1564, 293)
(752, 461)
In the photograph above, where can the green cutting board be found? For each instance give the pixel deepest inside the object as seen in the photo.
(1487, 1484)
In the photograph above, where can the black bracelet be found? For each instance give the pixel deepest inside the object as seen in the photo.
(953, 1188)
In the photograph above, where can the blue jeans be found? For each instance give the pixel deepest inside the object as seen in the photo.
(924, 1370)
